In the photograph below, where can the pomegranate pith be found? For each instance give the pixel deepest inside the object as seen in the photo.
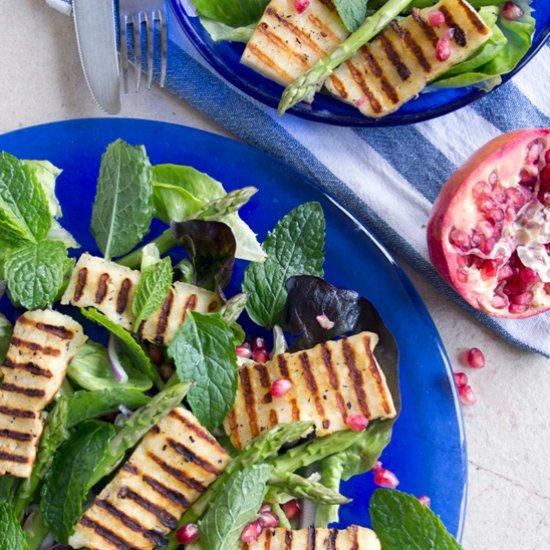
(489, 231)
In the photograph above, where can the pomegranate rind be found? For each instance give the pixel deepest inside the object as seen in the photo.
(506, 155)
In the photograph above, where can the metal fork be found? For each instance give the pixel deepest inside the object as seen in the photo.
(142, 15)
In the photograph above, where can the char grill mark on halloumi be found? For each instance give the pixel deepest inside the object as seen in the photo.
(174, 464)
(331, 381)
(352, 538)
(42, 345)
(110, 288)
(396, 65)
(287, 43)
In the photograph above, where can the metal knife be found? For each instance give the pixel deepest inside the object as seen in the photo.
(94, 22)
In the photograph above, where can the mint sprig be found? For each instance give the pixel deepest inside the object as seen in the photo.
(12, 537)
(402, 522)
(352, 12)
(294, 247)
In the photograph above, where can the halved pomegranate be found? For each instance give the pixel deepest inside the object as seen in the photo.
(489, 231)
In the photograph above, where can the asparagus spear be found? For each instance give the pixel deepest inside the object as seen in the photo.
(54, 434)
(217, 209)
(306, 83)
(36, 530)
(300, 487)
(137, 426)
(259, 450)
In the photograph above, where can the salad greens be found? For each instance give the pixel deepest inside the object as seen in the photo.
(352, 12)
(123, 206)
(12, 536)
(294, 247)
(203, 351)
(231, 12)
(5, 336)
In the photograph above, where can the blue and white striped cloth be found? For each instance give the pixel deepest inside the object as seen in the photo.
(387, 177)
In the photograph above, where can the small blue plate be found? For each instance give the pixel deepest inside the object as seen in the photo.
(428, 449)
(225, 57)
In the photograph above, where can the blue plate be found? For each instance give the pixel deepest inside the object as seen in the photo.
(428, 450)
(224, 57)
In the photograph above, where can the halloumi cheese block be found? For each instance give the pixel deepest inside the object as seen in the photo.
(395, 66)
(110, 288)
(42, 345)
(353, 538)
(172, 466)
(330, 382)
(286, 43)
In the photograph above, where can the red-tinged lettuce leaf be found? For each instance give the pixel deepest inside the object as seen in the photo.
(211, 247)
(309, 297)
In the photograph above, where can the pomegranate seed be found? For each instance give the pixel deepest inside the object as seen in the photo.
(259, 343)
(528, 275)
(324, 322)
(425, 500)
(505, 272)
(523, 299)
(547, 157)
(188, 533)
(461, 379)
(292, 509)
(475, 358)
(486, 228)
(244, 350)
(266, 507)
(547, 288)
(252, 531)
(511, 11)
(517, 198)
(301, 5)
(534, 150)
(443, 49)
(361, 101)
(496, 214)
(269, 520)
(481, 190)
(155, 353)
(260, 356)
(545, 177)
(377, 465)
(436, 18)
(518, 308)
(488, 269)
(498, 194)
(280, 387)
(493, 178)
(459, 238)
(385, 478)
(357, 422)
(466, 395)
(498, 302)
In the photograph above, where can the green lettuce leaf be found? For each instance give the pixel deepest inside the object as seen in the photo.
(204, 352)
(235, 506)
(90, 370)
(123, 206)
(5, 336)
(12, 537)
(294, 247)
(235, 13)
(401, 521)
(352, 12)
(180, 193)
(70, 477)
(24, 208)
(35, 273)
(220, 32)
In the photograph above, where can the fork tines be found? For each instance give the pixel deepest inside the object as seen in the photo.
(143, 16)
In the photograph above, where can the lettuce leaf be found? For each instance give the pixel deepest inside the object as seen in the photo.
(220, 32)
(231, 12)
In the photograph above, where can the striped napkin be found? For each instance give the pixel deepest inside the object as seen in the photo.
(387, 178)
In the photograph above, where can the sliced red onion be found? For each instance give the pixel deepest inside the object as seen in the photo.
(114, 361)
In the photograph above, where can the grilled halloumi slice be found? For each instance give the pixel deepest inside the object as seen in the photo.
(395, 66)
(43, 343)
(173, 465)
(286, 43)
(329, 382)
(353, 538)
(110, 288)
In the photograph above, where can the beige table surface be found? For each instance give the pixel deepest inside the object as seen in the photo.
(508, 430)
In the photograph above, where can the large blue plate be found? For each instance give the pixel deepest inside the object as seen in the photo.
(428, 451)
(224, 58)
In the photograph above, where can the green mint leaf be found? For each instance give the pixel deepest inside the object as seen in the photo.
(352, 12)
(69, 479)
(231, 12)
(5, 336)
(152, 289)
(401, 521)
(35, 273)
(123, 206)
(136, 355)
(294, 247)
(86, 405)
(12, 537)
(24, 209)
(204, 352)
(235, 506)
